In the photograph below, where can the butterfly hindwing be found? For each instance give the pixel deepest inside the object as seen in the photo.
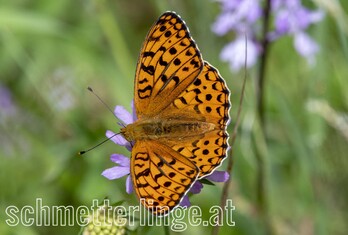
(160, 175)
(206, 152)
(208, 99)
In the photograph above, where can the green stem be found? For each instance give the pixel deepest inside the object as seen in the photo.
(119, 47)
(166, 230)
(260, 92)
(261, 189)
(232, 140)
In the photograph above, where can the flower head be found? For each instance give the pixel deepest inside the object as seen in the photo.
(306, 46)
(243, 17)
(237, 16)
(7, 106)
(291, 17)
(234, 53)
(123, 162)
(101, 221)
(126, 118)
(122, 169)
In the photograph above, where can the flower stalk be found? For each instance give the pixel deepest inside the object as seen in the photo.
(262, 22)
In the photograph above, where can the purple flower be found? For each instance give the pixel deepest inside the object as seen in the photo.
(237, 15)
(291, 15)
(123, 167)
(119, 171)
(243, 18)
(292, 19)
(234, 53)
(126, 118)
(306, 46)
(216, 176)
(7, 106)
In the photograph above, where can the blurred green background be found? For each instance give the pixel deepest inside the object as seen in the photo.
(50, 51)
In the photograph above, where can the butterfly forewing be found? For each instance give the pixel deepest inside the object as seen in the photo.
(168, 63)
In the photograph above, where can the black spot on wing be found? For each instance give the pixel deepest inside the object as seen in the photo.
(148, 69)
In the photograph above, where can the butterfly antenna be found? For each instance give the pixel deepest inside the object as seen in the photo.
(85, 151)
(107, 106)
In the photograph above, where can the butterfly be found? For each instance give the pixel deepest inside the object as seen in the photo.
(182, 104)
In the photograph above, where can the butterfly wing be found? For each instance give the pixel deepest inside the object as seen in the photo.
(169, 62)
(208, 100)
(160, 175)
(172, 82)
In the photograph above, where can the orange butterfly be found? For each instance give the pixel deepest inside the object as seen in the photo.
(182, 104)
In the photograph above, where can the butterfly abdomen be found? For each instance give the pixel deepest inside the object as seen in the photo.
(168, 129)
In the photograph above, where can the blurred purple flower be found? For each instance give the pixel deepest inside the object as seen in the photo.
(306, 46)
(7, 106)
(291, 18)
(237, 15)
(289, 21)
(234, 53)
(242, 17)
(216, 176)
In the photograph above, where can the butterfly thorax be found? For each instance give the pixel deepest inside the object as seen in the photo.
(174, 129)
